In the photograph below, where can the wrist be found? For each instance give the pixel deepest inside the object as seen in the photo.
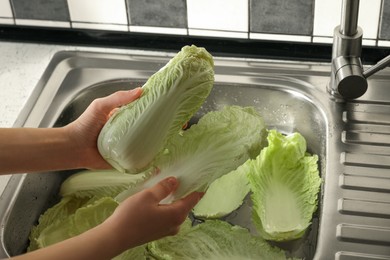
(85, 150)
(72, 147)
(112, 237)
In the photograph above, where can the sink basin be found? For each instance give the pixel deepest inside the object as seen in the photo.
(351, 140)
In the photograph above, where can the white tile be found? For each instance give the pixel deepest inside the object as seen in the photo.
(213, 33)
(43, 23)
(5, 9)
(369, 42)
(102, 11)
(280, 37)
(225, 15)
(327, 15)
(100, 26)
(6, 21)
(319, 39)
(159, 30)
(382, 43)
(369, 12)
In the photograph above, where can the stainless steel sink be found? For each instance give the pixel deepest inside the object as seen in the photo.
(351, 139)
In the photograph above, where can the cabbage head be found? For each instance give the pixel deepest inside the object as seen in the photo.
(137, 132)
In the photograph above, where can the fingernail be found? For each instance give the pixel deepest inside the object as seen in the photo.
(135, 90)
(171, 181)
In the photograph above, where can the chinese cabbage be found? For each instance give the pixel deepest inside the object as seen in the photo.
(137, 132)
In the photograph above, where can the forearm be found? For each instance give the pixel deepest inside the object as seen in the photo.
(37, 149)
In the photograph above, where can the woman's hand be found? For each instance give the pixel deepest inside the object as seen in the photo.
(141, 218)
(70, 147)
(85, 130)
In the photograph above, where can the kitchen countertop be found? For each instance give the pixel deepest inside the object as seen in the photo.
(21, 67)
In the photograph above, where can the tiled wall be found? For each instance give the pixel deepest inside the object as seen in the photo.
(281, 20)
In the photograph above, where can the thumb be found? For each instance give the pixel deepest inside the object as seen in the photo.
(119, 98)
(165, 187)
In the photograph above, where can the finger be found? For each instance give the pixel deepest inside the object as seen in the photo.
(120, 98)
(187, 203)
(112, 112)
(165, 187)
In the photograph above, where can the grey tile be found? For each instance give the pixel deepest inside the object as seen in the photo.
(384, 32)
(282, 16)
(166, 13)
(55, 10)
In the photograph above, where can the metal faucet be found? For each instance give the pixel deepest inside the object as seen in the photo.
(348, 80)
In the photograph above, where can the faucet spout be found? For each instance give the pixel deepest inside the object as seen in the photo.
(348, 80)
(349, 19)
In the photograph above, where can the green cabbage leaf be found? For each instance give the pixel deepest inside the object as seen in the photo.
(81, 220)
(219, 143)
(225, 194)
(285, 183)
(214, 239)
(55, 214)
(136, 253)
(99, 183)
(137, 132)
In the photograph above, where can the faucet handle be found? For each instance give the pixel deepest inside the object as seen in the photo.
(349, 78)
(377, 67)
